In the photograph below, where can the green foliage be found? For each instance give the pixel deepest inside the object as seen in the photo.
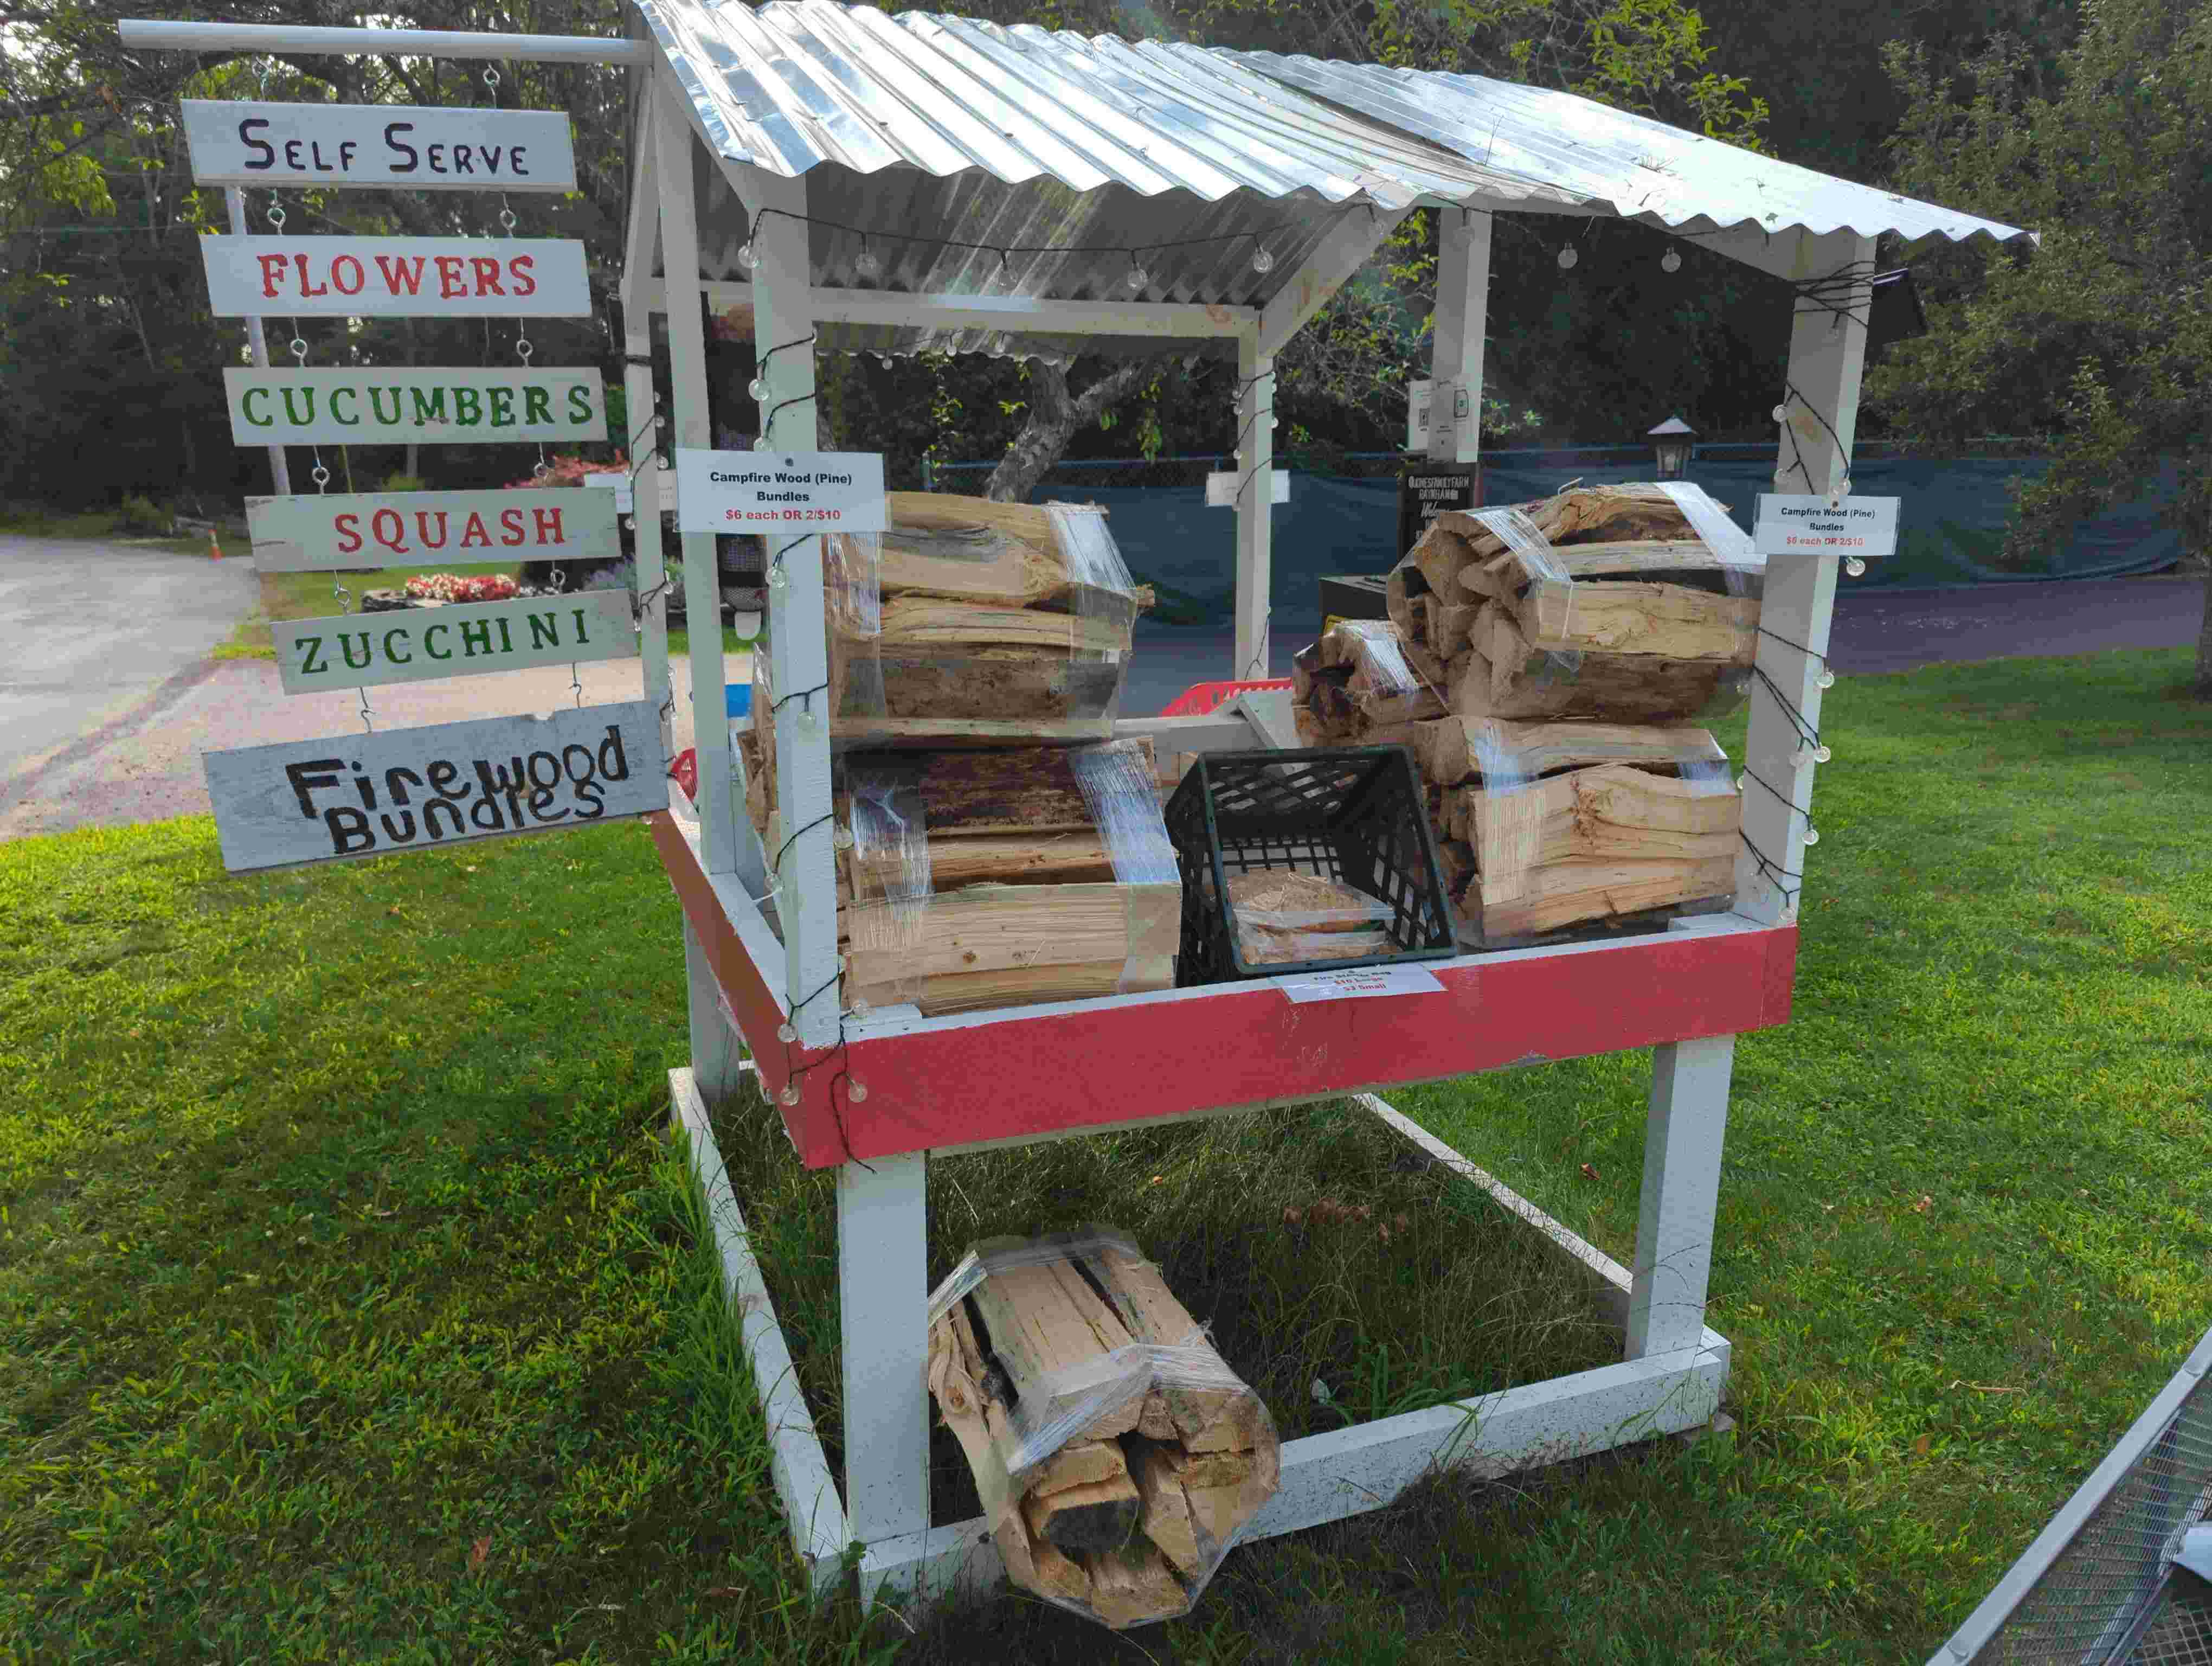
(405, 483)
(139, 514)
(2102, 337)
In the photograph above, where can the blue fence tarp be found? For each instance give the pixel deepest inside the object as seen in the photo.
(1952, 524)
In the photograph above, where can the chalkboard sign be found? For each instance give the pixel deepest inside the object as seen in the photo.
(1426, 493)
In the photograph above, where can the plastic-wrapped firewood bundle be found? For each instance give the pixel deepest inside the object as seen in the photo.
(1116, 1456)
(1631, 604)
(969, 621)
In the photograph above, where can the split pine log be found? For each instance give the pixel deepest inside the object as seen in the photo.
(1116, 1455)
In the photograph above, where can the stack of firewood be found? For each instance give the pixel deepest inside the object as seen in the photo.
(1115, 1456)
(990, 860)
(1541, 671)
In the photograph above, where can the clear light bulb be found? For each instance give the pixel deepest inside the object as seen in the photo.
(1274, 422)
(784, 1032)
(790, 1094)
(1854, 566)
(746, 258)
(1740, 781)
(1672, 260)
(779, 582)
(1844, 488)
(1814, 755)
(1138, 277)
(1826, 680)
(1812, 836)
(858, 1090)
(1261, 260)
(807, 721)
(865, 263)
(758, 388)
(1782, 413)
(844, 838)
(1568, 256)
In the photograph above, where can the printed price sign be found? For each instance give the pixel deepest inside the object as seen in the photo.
(767, 491)
(1363, 983)
(1799, 525)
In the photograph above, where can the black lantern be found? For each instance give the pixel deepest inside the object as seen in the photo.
(1670, 444)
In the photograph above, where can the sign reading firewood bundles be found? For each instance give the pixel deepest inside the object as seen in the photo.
(396, 276)
(401, 407)
(314, 532)
(414, 790)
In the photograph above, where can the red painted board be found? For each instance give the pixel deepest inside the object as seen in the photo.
(1237, 1045)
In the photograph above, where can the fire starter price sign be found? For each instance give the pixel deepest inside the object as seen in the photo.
(1800, 525)
(761, 491)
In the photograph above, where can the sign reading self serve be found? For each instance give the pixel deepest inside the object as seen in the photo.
(379, 144)
(369, 795)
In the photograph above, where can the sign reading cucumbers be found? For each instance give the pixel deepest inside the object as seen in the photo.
(337, 407)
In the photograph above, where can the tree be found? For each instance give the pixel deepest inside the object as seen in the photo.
(2103, 336)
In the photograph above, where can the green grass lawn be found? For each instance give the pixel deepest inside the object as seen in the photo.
(350, 1307)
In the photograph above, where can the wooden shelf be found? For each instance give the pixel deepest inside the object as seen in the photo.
(1034, 1072)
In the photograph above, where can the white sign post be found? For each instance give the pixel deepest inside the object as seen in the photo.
(404, 406)
(247, 143)
(396, 276)
(319, 533)
(413, 789)
(417, 644)
(1800, 525)
(759, 491)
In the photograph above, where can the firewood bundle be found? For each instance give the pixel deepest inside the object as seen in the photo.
(972, 878)
(1625, 603)
(969, 620)
(1116, 1455)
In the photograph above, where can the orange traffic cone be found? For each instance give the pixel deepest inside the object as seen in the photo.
(215, 550)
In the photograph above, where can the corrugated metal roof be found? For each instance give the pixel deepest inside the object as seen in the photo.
(1594, 155)
(951, 128)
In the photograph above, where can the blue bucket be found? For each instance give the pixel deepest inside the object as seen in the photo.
(737, 699)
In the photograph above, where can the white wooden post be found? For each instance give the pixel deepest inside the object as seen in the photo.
(1256, 507)
(280, 472)
(1682, 1142)
(883, 1274)
(1827, 356)
(799, 656)
(1455, 352)
(716, 1052)
(643, 441)
(687, 368)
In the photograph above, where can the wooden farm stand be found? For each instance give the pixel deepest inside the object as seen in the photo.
(756, 116)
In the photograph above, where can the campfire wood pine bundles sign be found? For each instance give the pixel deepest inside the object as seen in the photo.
(358, 406)
(244, 143)
(396, 276)
(316, 532)
(415, 645)
(411, 789)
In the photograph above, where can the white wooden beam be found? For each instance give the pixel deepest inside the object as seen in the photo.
(642, 441)
(1342, 251)
(1462, 312)
(1682, 1140)
(163, 36)
(1827, 356)
(1256, 507)
(899, 308)
(798, 658)
(719, 808)
(882, 1287)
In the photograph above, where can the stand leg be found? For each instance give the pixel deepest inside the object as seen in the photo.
(1681, 1188)
(882, 1285)
(714, 1045)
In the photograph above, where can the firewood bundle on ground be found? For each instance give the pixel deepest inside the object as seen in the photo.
(973, 621)
(1116, 1455)
(1542, 663)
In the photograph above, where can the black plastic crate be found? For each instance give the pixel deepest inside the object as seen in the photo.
(1351, 814)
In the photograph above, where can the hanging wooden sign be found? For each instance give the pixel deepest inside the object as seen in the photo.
(396, 276)
(466, 639)
(459, 406)
(336, 530)
(415, 789)
(243, 143)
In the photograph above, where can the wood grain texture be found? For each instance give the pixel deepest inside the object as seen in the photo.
(401, 789)
(1658, 619)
